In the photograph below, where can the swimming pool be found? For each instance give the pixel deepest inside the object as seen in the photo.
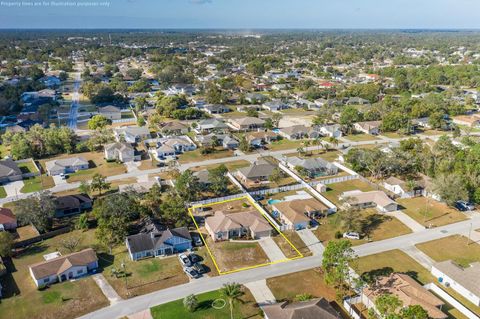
(273, 201)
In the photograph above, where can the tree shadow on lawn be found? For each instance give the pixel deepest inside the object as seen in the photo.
(372, 222)
(371, 276)
(33, 249)
(10, 287)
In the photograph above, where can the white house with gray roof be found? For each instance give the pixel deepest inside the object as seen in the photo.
(122, 152)
(313, 166)
(66, 165)
(131, 134)
(9, 171)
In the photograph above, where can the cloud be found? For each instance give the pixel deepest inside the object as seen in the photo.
(200, 1)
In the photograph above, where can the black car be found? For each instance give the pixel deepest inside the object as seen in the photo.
(194, 258)
(464, 206)
(199, 268)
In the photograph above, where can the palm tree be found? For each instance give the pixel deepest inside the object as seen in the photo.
(300, 151)
(232, 292)
(306, 144)
(303, 297)
(333, 140)
(190, 302)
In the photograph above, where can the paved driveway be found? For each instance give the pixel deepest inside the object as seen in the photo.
(422, 258)
(260, 291)
(13, 188)
(58, 180)
(311, 241)
(407, 220)
(132, 166)
(107, 290)
(271, 249)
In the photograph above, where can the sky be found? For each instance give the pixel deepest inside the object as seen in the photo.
(241, 14)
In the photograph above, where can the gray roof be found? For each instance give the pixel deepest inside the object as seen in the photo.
(119, 146)
(311, 163)
(203, 176)
(142, 242)
(295, 129)
(9, 168)
(318, 308)
(65, 162)
(211, 123)
(468, 277)
(259, 169)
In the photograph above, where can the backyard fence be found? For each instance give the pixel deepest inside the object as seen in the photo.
(452, 301)
(277, 190)
(347, 304)
(217, 199)
(334, 180)
(36, 239)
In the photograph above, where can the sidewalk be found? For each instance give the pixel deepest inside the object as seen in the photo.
(260, 291)
(107, 290)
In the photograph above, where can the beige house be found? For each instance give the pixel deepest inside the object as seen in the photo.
(296, 214)
(225, 226)
(407, 290)
(468, 120)
(247, 123)
(318, 308)
(371, 127)
(110, 112)
(118, 151)
(361, 200)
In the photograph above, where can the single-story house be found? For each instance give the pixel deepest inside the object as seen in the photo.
(275, 105)
(64, 268)
(247, 123)
(158, 243)
(216, 108)
(203, 177)
(118, 151)
(465, 281)
(131, 134)
(225, 226)
(66, 165)
(296, 214)
(334, 130)
(172, 146)
(467, 120)
(294, 132)
(72, 204)
(318, 308)
(9, 171)
(258, 172)
(257, 139)
(230, 143)
(209, 139)
(370, 127)
(211, 125)
(407, 290)
(377, 199)
(314, 167)
(8, 221)
(401, 188)
(174, 128)
(110, 112)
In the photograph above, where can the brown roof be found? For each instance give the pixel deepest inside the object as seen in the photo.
(295, 210)
(408, 291)
(358, 197)
(249, 219)
(318, 308)
(6, 216)
(58, 265)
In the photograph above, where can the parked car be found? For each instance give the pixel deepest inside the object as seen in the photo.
(351, 235)
(464, 206)
(194, 258)
(197, 240)
(63, 176)
(192, 273)
(199, 268)
(184, 260)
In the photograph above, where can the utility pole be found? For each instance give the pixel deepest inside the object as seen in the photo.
(470, 234)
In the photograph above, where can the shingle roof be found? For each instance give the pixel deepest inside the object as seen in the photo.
(9, 168)
(358, 197)
(311, 163)
(148, 241)
(295, 210)
(64, 162)
(249, 219)
(6, 216)
(468, 277)
(318, 308)
(260, 169)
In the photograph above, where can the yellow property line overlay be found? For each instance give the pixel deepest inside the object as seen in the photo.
(191, 209)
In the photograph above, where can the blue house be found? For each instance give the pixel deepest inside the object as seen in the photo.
(159, 243)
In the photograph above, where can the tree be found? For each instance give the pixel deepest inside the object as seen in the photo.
(349, 116)
(336, 259)
(333, 140)
(300, 151)
(153, 199)
(84, 187)
(244, 145)
(218, 180)
(450, 188)
(276, 176)
(232, 292)
(37, 210)
(98, 122)
(71, 243)
(251, 112)
(174, 211)
(187, 186)
(276, 117)
(303, 297)
(99, 183)
(82, 222)
(6, 244)
(190, 303)
(413, 312)
(388, 305)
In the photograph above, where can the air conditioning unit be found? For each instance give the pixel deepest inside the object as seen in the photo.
(447, 284)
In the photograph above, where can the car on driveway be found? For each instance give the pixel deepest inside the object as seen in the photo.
(194, 258)
(351, 235)
(198, 267)
(184, 260)
(192, 273)
(464, 206)
(197, 240)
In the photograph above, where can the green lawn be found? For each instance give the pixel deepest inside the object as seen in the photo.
(392, 135)
(247, 308)
(457, 248)
(27, 167)
(361, 137)
(3, 193)
(197, 156)
(37, 183)
(285, 144)
(429, 212)
(336, 189)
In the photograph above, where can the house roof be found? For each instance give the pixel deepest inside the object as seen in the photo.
(58, 265)
(173, 126)
(122, 147)
(133, 130)
(148, 241)
(71, 201)
(311, 163)
(295, 210)
(248, 219)
(7, 216)
(408, 291)
(468, 277)
(9, 168)
(258, 169)
(369, 125)
(203, 176)
(359, 197)
(395, 181)
(295, 129)
(109, 109)
(318, 308)
(211, 123)
(248, 121)
(64, 162)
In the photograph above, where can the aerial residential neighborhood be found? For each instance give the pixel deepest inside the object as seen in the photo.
(209, 159)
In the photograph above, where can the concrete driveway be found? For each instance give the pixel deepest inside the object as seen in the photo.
(58, 180)
(260, 291)
(407, 220)
(13, 188)
(132, 166)
(271, 249)
(311, 241)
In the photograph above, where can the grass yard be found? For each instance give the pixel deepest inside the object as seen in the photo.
(334, 190)
(429, 212)
(392, 135)
(27, 167)
(287, 249)
(197, 156)
(285, 144)
(37, 183)
(3, 193)
(230, 255)
(231, 166)
(247, 308)
(206, 260)
(361, 137)
(374, 227)
(63, 300)
(309, 281)
(456, 247)
(144, 276)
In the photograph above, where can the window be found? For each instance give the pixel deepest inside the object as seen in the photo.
(46, 280)
(80, 271)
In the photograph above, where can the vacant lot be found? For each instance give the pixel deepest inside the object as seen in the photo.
(143, 276)
(334, 190)
(295, 240)
(374, 226)
(197, 156)
(27, 167)
(429, 212)
(37, 183)
(457, 248)
(285, 144)
(247, 308)
(62, 300)
(361, 137)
